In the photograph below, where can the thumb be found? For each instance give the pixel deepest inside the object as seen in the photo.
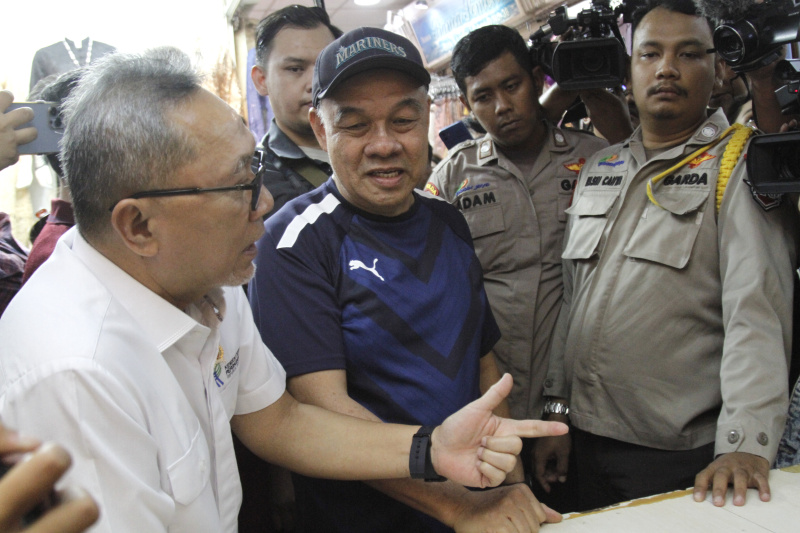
(496, 394)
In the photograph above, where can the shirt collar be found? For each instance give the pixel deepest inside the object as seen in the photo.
(281, 144)
(61, 213)
(161, 322)
(709, 130)
(555, 140)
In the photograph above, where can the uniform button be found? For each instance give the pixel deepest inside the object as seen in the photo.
(762, 439)
(733, 437)
(202, 466)
(548, 383)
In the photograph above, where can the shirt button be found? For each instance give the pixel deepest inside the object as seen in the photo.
(548, 383)
(203, 466)
(762, 439)
(733, 436)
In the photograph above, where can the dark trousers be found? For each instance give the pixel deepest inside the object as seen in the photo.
(563, 497)
(611, 471)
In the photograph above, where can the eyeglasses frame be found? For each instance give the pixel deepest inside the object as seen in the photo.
(259, 166)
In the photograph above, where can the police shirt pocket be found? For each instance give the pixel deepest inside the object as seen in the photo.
(189, 474)
(564, 199)
(485, 221)
(667, 234)
(591, 215)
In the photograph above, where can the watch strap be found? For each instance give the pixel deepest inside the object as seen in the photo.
(420, 464)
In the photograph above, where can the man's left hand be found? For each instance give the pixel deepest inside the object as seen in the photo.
(741, 469)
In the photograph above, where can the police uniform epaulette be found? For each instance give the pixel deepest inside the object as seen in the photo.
(576, 130)
(460, 146)
(559, 139)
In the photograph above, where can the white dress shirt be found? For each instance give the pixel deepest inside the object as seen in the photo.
(140, 392)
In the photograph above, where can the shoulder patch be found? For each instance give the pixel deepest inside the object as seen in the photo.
(767, 202)
(431, 188)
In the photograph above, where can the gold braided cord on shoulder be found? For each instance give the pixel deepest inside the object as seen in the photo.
(729, 159)
(688, 158)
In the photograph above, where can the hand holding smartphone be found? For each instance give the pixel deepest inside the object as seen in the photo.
(10, 136)
(48, 124)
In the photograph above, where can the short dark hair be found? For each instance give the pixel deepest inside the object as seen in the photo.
(687, 7)
(56, 88)
(295, 16)
(482, 46)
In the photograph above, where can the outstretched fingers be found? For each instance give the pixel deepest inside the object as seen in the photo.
(531, 428)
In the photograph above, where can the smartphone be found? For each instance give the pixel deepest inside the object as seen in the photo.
(454, 133)
(48, 124)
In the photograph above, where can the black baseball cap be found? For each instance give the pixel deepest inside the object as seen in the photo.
(364, 49)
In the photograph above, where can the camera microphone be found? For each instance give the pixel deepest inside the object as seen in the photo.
(723, 10)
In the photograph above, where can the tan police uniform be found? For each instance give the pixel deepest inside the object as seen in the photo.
(676, 326)
(517, 223)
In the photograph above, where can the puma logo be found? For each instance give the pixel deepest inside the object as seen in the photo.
(354, 264)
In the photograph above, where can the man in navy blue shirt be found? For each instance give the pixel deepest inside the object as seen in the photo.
(371, 296)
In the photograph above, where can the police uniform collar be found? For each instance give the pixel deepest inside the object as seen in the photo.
(710, 129)
(487, 150)
(281, 144)
(557, 140)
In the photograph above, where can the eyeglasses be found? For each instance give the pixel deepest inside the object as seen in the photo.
(258, 164)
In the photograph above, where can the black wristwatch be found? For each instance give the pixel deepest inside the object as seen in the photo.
(419, 459)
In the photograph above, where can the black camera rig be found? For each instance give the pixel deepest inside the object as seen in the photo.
(755, 39)
(591, 53)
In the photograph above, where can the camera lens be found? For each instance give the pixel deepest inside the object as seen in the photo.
(787, 163)
(591, 62)
(735, 42)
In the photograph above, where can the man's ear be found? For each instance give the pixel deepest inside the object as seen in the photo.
(132, 223)
(464, 102)
(720, 71)
(315, 118)
(259, 78)
(538, 80)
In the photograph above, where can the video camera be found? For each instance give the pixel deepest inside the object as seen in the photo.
(592, 55)
(755, 40)
(749, 36)
(773, 161)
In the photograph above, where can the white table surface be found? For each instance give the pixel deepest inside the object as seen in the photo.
(677, 512)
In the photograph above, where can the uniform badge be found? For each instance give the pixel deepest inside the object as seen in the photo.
(576, 166)
(767, 202)
(705, 156)
(559, 139)
(486, 149)
(611, 161)
(462, 186)
(709, 131)
(431, 188)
